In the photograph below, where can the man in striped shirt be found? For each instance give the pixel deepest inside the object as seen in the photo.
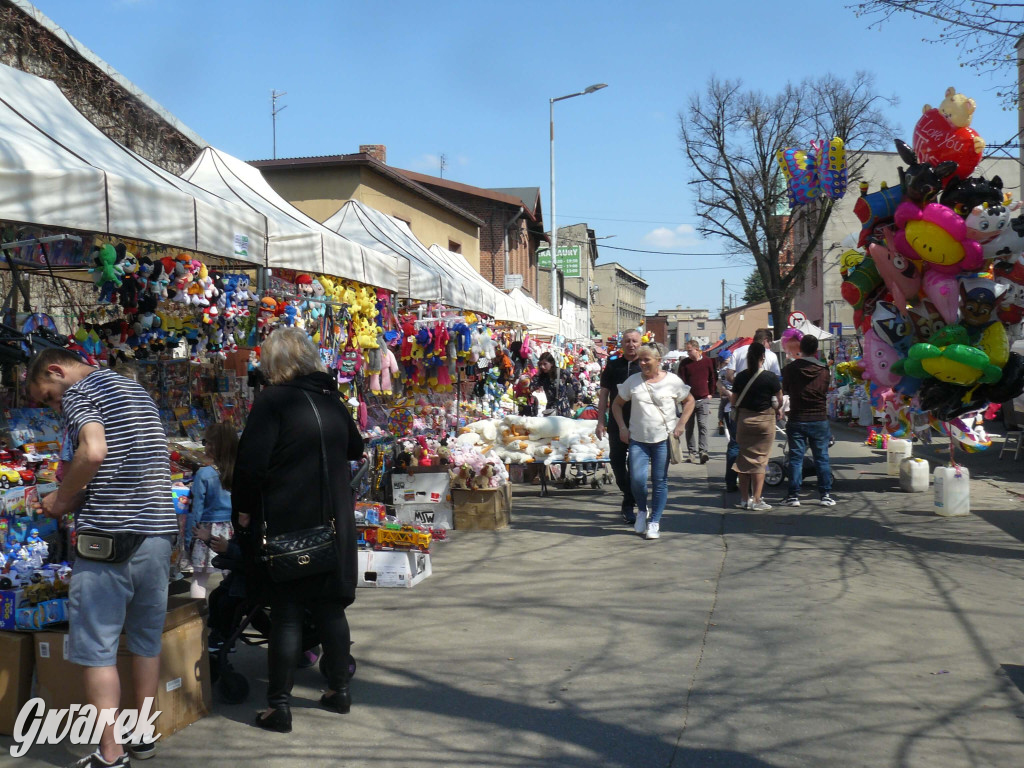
(117, 483)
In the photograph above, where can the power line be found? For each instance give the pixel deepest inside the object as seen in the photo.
(630, 221)
(663, 253)
(692, 269)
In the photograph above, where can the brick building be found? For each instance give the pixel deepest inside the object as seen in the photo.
(319, 186)
(512, 227)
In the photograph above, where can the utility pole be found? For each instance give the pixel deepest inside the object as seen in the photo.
(274, 109)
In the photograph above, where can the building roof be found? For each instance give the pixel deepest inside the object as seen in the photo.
(507, 196)
(80, 50)
(362, 159)
(529, 195)
(619, 268)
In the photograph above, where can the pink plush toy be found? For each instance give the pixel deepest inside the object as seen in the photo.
(937, 235)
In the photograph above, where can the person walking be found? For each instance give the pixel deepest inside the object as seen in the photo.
(654, 395)
(806, 381)
(559, 387)
(295, 425)
(699, 374)
(757, 405)
(118, 484)
(737, 363)
(209, 516)
(615, 372)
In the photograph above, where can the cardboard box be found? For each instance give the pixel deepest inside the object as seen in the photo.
(16, 662)
(397, 568)
(183, 693)
(431, 515)
(482, 510)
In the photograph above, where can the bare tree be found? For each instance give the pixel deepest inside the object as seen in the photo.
(984, 34)
(731, 136)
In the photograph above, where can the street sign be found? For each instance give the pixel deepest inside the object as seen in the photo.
(568, 260)
(513, 281)
(797, 318)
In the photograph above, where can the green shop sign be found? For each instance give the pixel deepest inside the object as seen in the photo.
(568, 260)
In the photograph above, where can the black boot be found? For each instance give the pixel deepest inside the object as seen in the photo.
(340, 702)
(279, 719)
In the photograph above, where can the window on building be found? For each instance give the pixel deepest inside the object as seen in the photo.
(454, 247)
(700, 325)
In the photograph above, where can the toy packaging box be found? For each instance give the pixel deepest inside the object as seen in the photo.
(423, 498)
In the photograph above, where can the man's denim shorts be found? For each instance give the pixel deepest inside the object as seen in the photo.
(107, 598)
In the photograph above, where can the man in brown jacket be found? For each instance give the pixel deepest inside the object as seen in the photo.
(806, 381)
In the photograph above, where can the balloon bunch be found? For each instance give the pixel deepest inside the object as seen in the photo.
(937, 281)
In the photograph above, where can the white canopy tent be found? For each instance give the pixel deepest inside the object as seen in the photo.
(420, 276)
(294, 240)
(57, 170)
(538, 320)
(505, 307)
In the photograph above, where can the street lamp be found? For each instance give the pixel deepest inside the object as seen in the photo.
(554, 226)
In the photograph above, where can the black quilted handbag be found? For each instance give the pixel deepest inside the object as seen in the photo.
(292, 555)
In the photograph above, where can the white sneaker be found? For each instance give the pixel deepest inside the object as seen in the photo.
(760, 506)
(641, 523)
(745, 504)
(654, 531)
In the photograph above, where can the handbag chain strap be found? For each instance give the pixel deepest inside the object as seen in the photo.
(325, 494)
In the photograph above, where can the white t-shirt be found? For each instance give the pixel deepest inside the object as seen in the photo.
(738, 362)
(648, 418)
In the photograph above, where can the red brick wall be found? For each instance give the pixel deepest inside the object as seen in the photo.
(657, 327)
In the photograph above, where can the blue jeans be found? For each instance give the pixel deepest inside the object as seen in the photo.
(800, 434)
(649, 459)
(732, 452)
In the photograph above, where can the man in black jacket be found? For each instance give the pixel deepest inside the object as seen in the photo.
(614, 373)
(806, 381)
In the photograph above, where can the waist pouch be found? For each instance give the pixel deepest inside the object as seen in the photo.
(105, 547)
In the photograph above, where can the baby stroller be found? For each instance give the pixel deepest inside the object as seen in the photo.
(235, 617)
(777, 469)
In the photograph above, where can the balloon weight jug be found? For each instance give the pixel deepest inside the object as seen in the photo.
(952, 491)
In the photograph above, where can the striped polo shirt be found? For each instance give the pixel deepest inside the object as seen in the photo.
(132, 489)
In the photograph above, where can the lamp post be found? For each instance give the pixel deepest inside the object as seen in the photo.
(554, 225)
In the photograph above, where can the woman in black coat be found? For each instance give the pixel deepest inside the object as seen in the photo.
(279, 482)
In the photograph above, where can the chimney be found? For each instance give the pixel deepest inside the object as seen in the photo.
(378, 152)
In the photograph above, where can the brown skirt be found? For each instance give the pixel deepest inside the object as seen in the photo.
(754, 433)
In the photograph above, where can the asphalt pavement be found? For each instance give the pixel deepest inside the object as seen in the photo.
(872, 633)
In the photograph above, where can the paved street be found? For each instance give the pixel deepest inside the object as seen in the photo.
(872, 634)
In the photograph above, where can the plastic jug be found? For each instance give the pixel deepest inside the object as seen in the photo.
(895, 453)
(914, 477)
(952, 491)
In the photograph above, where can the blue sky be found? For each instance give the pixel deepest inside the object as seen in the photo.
(472, 80)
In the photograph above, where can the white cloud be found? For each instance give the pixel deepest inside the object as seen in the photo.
(426, 163)
(431, 163)
(679, 237)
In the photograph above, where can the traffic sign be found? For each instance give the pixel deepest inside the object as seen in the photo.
(797, 318)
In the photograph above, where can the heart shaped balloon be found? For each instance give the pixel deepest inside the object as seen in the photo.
(936, 140)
